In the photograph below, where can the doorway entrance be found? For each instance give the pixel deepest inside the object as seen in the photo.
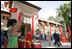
(25, 28)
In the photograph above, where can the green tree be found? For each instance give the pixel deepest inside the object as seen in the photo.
(64, 11)
(51, 18)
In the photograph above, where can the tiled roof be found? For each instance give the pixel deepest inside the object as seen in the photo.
(27, 3)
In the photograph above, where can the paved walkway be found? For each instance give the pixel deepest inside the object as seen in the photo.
(44, 44)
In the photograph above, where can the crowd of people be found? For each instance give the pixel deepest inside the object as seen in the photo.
(56, 37)
(9, 38)
(11, 33)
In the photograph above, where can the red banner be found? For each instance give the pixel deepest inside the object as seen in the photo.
(50, 30)
(36, 18)
(44, 29)
(19, 17)
(32, 24)
(69, 30)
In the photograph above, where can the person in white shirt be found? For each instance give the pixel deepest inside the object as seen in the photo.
(49, 38)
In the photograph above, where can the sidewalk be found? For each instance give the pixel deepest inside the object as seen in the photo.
(44, 44)
(66, 45)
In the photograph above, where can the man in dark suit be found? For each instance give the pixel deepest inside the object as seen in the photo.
(57, 39)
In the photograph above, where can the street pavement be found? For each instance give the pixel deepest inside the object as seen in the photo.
(44, 44)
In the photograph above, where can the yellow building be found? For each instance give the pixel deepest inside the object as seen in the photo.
(46, 23)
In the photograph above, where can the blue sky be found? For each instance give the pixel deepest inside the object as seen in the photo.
(48, 7)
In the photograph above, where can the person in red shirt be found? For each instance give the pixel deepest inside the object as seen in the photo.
(28, 40)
